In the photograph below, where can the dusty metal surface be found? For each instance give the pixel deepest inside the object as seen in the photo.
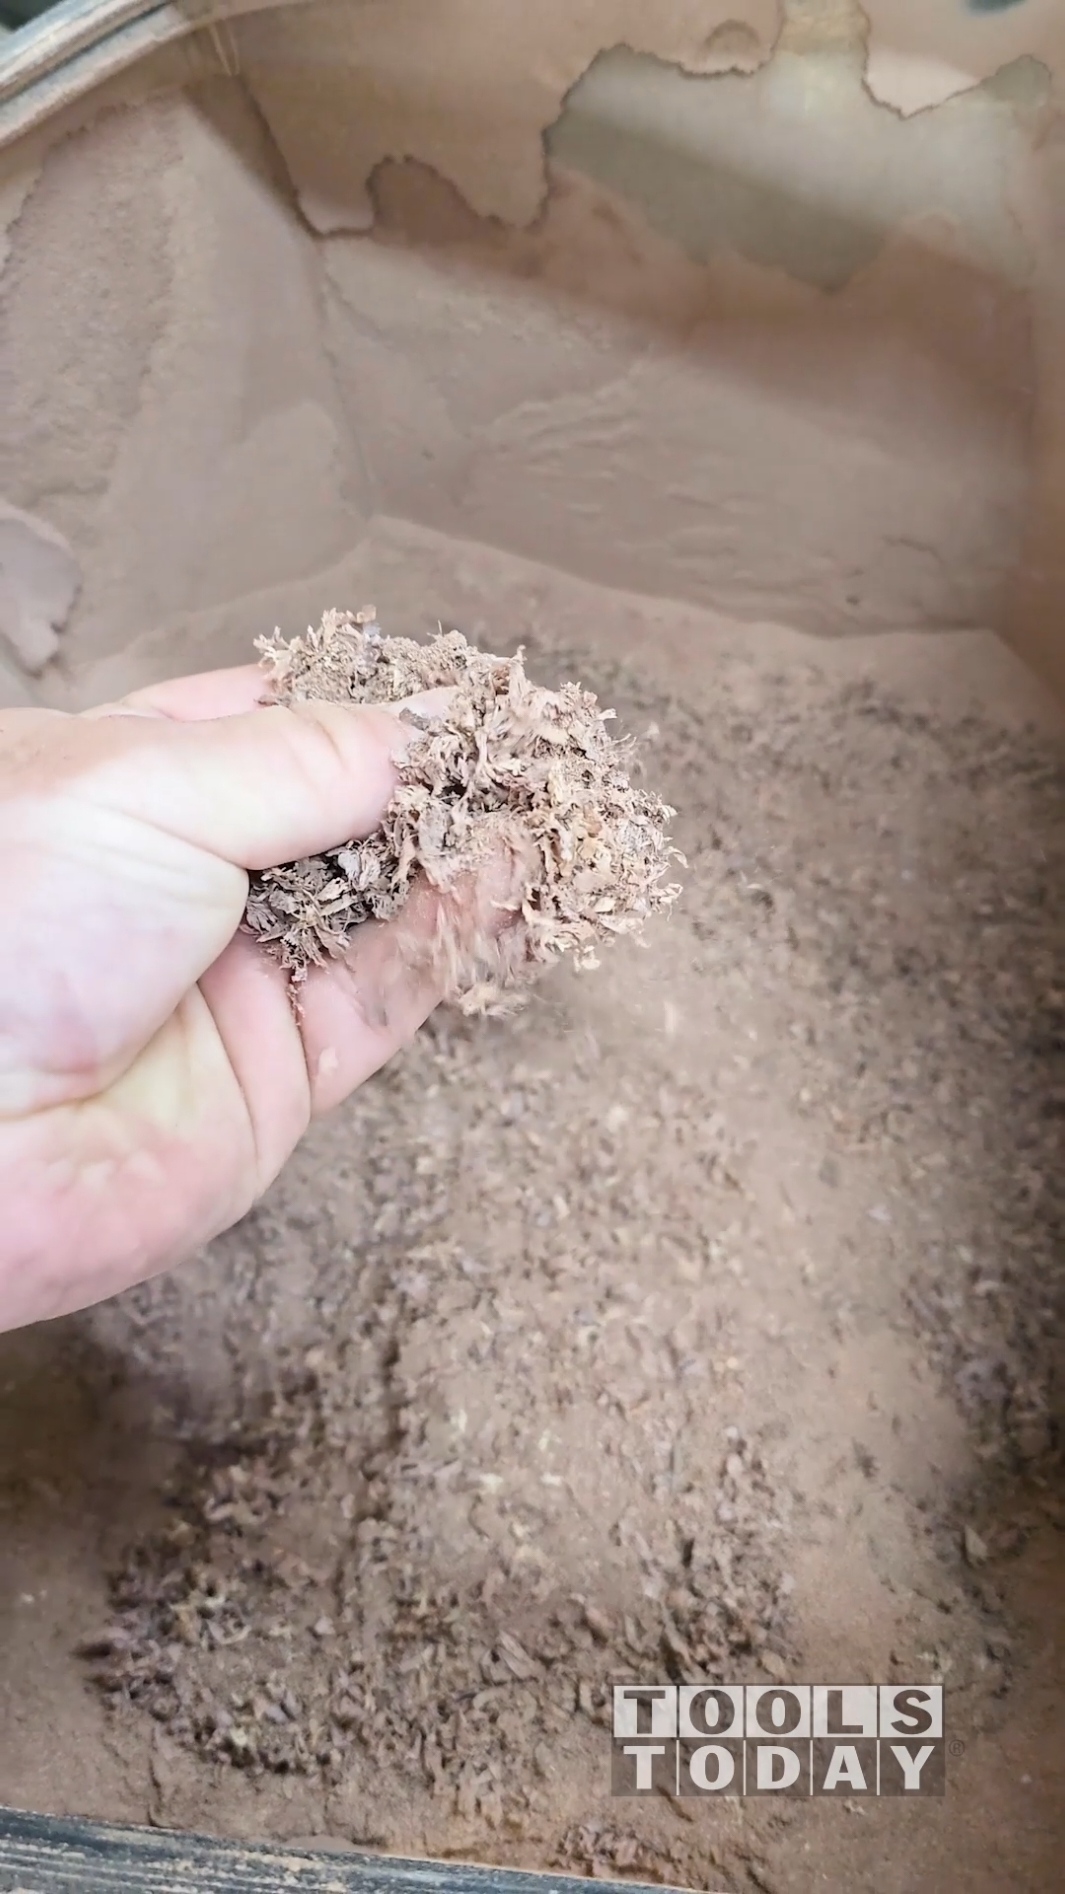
(76, 46)
(43, 1854)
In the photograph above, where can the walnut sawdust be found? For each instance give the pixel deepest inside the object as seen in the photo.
(601, 1347)
(506, 779)
(273, 1663)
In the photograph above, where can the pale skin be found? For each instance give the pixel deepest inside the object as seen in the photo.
(154, 1075)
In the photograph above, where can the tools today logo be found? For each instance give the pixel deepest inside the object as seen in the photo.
(778, 1739)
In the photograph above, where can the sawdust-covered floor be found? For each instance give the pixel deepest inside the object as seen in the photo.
(702, 1320)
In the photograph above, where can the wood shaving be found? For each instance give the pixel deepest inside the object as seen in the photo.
(515, 805)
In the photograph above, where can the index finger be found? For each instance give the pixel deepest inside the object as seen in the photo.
(198, 699)
(212, 694)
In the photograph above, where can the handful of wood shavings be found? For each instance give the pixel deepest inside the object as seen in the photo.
(514, 805)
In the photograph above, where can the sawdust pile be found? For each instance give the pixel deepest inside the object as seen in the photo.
(508, 782)
(634, 1338)
(256, 1658)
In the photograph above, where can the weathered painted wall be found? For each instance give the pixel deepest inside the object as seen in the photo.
(696, 298)
(921, 52)
(468, 88)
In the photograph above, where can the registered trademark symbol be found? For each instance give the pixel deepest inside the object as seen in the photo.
(956, 1748)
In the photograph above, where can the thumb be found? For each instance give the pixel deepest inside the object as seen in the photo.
(144, 828)
(265, 787)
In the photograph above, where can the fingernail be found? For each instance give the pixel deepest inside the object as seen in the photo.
(425, 704)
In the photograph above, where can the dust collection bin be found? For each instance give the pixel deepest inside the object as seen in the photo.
(701, 1323)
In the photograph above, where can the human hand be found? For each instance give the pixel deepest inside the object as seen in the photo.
(154, 1075)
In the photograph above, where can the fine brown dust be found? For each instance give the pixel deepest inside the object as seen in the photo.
(701, 1320)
